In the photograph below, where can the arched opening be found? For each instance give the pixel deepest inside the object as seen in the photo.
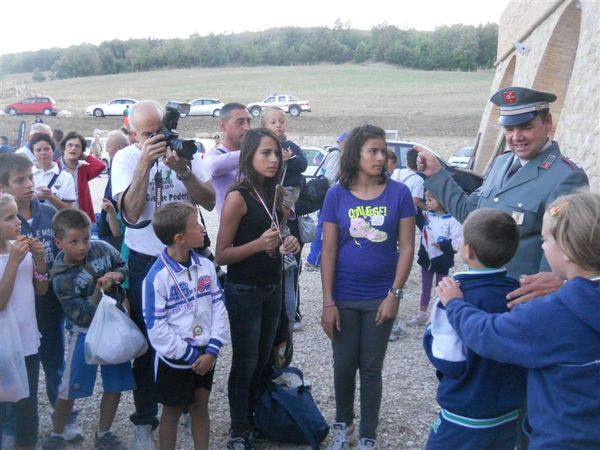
(492, 135)
(556, 67)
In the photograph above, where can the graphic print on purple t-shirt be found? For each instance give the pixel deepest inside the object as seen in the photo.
(367, 247)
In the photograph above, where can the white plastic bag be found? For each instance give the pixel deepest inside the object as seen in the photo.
(14, 384)
(307, 226)
(113, 338)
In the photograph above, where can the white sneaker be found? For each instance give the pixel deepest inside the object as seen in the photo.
(143, 438)
(341, 435)
(397, 332)
(72, 433)
(367, 444)
(8, 442)
(420, 319)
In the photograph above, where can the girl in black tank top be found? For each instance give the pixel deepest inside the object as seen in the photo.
(250, 244)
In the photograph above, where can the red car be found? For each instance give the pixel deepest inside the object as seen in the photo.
(33, 105)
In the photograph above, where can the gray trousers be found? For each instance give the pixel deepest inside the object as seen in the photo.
(360, 345)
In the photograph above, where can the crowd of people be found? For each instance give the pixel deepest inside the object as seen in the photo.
(515, 340)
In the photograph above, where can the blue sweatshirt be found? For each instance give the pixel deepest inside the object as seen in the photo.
(556, 337)
(470, 385)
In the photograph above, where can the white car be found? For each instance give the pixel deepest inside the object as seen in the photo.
(206, 107)
(288, 103)
(314, 157)
(462, 158)
(114, 107)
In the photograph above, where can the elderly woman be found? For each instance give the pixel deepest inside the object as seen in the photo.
(51, 183)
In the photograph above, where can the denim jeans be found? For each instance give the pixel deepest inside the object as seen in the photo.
(360, 345)
(144, 397)
(20, 419)
(253, 317)
(314, 256)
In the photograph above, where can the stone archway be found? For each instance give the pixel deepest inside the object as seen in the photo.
(491, 137)
(554, 72)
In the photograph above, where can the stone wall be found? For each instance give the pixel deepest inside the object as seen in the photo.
(561, 55)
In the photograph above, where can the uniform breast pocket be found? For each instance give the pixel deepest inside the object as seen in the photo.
(527, 212)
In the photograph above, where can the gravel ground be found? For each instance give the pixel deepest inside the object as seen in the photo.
(408, 406)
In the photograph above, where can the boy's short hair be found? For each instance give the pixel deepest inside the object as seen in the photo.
(391, 156)
(69, 219)
(575, 228)
(493, 235)
(411, 158)
(171, 219)
(12, 162)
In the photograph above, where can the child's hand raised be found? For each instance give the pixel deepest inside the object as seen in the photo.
(18, 250)
(448, 289)
(203, 364)
(108, 280)
(287, 154)
(36, 248)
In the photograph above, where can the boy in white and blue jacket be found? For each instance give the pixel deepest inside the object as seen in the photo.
(186, 321)
(479, 398)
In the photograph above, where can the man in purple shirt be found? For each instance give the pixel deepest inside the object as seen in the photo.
(222, 162)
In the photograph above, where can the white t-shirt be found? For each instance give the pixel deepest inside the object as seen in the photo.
(63, 187)
(144, 240)
(412, 180)
(25, 151)
(22, 303)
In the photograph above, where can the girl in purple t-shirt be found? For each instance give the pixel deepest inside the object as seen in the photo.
(366, 217)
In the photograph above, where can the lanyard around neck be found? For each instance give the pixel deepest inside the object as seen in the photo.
(272, 215)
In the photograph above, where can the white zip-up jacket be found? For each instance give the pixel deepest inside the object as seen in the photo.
(183, 309)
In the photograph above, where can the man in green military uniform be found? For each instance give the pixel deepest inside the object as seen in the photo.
(521, 182)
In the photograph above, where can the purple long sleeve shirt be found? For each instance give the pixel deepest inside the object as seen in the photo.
(222, 165)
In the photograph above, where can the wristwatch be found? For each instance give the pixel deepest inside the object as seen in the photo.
(185, 175)
(398, 292)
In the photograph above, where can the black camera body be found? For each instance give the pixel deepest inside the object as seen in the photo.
(185, 148)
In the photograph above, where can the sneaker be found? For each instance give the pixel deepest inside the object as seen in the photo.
(298, 326)
(289, 261)
(360, 228)
(109, 442)
(367, 444)
(420, 319)
(72, 433)
(311, 267)
(397, 333)
(341, 435)
(53, 442)
(143, 438)
(8, 442)
(240, 443)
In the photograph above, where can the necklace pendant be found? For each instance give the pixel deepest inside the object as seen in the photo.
(196, 330)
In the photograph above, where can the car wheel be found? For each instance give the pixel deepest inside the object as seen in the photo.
(255, 112)
(217, 113)
(12, 111)
(294, 111)
(98, 112)
(47, 112)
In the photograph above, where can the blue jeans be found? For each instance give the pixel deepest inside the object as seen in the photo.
(144, 397)
(253, 317)
(314, 256)
(20, 419)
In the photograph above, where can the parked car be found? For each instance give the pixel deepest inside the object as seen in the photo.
(205, 107)
(114, 107)
(314, 156)
(33, 105)
(462, 158)
(288, 103)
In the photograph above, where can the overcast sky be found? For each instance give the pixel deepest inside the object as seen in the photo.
(37, 24)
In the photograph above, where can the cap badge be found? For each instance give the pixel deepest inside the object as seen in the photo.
(509, 97)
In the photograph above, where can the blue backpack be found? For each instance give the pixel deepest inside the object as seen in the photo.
(287, 414)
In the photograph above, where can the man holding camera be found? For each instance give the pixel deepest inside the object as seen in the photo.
(144, 176)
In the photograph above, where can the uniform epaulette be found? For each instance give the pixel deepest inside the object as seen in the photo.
(547, 162)
(569, 162)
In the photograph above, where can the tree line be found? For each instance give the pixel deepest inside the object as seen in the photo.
(456, 47)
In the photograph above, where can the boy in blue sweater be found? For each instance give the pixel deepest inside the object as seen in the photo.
(81, 272)
(480, 398)
(556, 337)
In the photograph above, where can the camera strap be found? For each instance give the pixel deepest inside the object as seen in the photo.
(158, 188)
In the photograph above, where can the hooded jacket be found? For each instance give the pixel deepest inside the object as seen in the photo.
(557, 338)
